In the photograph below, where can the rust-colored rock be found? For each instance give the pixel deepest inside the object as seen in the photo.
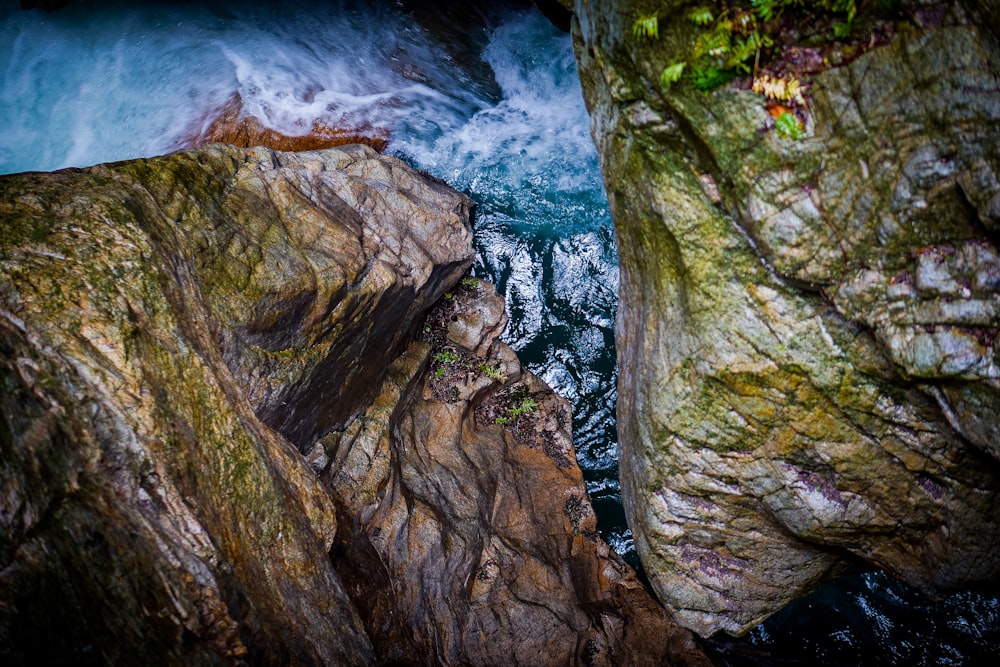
(466, 532)
(233, 126)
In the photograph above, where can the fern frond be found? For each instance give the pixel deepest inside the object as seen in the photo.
(646, 27)
(764, 9)
(701, 16)
(781, 89)
(672, 74)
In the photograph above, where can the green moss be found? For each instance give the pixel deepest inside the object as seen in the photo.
(709, 77)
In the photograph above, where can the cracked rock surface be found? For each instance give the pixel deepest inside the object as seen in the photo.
(466, 531)
(807, 333)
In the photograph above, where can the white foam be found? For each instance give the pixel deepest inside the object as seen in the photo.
(98, 83)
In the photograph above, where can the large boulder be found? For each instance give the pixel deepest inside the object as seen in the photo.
(807, 332)
(466, 532)
(170, 329)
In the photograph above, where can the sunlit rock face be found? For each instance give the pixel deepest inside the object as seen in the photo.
(170, 329)
(809, 374)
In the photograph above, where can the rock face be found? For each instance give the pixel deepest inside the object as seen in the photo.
(807, 333)
(465, 530)
(232, 434)
(151, 312)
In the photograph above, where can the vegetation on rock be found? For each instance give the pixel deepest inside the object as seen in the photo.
(734, 39)
(805, 327)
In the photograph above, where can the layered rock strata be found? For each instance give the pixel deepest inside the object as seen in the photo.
(807, 333)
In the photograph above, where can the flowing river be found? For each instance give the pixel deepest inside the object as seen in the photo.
(485, 97)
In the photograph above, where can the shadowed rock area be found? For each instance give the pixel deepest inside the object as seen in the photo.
(175, 333)
(807, 333)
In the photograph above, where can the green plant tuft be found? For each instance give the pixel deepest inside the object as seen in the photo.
(646, 27)
(701, 16)
(707, 79)
(446, 357)
(672, 74)
(732, 36)
(493, 372)
(789, 126)
(525, 407)
(764, 9)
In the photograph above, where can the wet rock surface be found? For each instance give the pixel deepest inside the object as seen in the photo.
(466, 531)
(155, 318)
(807, 328)
(237, 429)
(231, 125)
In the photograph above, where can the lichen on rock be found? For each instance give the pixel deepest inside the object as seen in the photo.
(160, 318)
(807, 327)
(250, 414)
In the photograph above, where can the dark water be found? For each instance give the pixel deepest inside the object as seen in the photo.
(486, 97)
(872, 620)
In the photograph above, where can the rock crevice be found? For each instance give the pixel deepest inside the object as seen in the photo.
(237, 429)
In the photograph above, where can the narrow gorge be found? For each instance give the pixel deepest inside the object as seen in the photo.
(404, 371)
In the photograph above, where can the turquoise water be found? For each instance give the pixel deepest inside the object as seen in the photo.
(487, 98)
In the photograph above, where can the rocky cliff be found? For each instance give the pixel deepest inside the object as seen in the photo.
(237, 429)
(809, 376)
(466, 532)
